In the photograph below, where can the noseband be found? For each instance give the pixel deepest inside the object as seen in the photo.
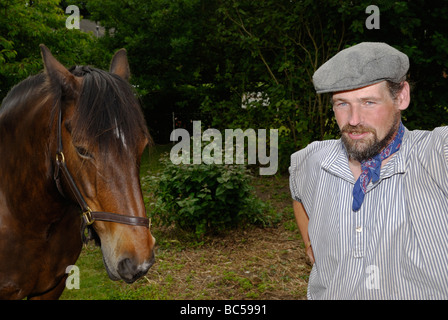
(88, 216)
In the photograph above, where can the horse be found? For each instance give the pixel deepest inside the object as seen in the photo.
(71, 142)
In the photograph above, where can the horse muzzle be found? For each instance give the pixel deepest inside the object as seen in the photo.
(130, 272)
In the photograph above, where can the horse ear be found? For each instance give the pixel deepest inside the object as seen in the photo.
(119, 64)
(58, 74)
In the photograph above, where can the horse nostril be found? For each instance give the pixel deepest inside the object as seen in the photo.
(130, 272)
(127, 270)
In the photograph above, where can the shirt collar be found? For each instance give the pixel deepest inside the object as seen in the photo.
(336, 162)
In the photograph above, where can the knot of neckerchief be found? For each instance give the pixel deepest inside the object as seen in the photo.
(371, 168)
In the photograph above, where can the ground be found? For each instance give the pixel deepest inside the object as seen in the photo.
(247, 263)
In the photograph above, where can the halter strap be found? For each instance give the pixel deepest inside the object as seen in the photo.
(88, 216)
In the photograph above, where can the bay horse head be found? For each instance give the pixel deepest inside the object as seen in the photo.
(83, 132)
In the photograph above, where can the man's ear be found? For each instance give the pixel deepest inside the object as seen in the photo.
(58, 75)
(404, 97)
(119, 65)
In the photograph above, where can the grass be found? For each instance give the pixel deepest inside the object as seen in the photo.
(244, 263)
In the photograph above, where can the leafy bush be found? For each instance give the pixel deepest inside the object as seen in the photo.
(206, 198)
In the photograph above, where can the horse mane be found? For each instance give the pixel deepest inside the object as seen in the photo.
(107, 109)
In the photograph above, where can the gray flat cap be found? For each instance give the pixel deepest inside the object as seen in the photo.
(359, 66)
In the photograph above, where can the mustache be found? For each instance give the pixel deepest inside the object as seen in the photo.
(357, 129)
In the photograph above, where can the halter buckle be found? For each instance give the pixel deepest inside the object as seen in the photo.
(88, 216)
(60, 158)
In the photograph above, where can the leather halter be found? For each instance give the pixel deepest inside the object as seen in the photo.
(88, 216)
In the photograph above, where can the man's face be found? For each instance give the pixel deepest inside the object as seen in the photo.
(368, 118)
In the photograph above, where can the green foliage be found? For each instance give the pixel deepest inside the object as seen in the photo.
(26, 24)
(206, 198)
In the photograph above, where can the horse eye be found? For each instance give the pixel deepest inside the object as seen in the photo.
(83, 152)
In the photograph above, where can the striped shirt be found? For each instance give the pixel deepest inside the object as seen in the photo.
(396, 245)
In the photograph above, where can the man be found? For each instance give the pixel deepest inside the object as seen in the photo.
(372, 207)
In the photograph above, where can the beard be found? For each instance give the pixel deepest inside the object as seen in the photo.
(364, 149)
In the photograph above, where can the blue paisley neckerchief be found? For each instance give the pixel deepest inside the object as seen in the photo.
(371, 168)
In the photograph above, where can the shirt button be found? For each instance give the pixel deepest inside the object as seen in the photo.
(359, 229)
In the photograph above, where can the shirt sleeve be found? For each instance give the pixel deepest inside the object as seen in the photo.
(294, 177)
(304, 168)
(443, 131)
(435, 157)
(445, 145)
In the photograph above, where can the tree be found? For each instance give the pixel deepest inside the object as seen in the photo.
(26, 24)
(171, 61)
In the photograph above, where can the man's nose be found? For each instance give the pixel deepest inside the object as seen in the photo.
(355, 116)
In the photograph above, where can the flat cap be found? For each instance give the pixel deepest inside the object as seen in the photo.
(359, 66)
